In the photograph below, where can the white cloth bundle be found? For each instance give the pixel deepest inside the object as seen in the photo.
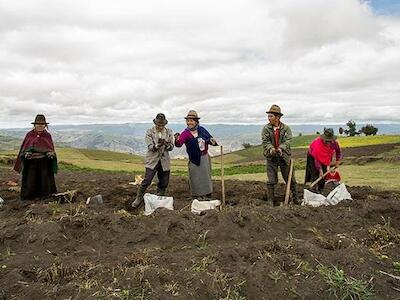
(337, 195)
(152, 202)
(199, 206)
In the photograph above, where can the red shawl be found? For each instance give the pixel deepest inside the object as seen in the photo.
(322, 152)
(36, 143)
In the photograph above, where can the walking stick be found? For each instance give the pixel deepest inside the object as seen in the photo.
(322, 176)
(222, 176)
(289, 182)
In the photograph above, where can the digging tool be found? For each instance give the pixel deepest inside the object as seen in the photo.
(289, 182)
(322, 176)
(222, 176)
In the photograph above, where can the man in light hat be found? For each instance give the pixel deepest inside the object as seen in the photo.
(276, 137)
(159, 141)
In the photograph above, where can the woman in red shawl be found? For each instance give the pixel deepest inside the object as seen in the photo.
(37, 161)
(319, 157)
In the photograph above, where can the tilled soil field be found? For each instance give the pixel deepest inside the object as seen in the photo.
(248, 250)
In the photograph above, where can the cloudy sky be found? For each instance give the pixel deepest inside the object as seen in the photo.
(95, 61)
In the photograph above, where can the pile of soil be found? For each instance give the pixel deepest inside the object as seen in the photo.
(248, 250)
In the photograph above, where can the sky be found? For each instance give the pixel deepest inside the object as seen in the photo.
(96, 61)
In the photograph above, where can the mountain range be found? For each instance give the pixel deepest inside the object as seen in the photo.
(129, 137)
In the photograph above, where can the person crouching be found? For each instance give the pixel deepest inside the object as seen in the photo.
(159, 141)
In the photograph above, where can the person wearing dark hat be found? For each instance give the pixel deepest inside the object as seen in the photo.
(37, 161)
(319, 157)
(197, 138)
(276, 137)
(159, 141)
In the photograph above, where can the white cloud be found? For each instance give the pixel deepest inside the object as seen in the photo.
(124, 61)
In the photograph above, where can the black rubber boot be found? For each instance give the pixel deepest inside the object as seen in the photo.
(139, 197)
(160, 192)
(295, 197)
(271, 195)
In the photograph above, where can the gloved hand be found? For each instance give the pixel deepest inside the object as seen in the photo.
(177, 136)
(50, 154)
(28, 155)
(213, 142)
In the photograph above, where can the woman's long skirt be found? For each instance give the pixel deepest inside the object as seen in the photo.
(200, 177)
(37, 178)
(312, 173)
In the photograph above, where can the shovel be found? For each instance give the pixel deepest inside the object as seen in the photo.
(222, 176)
(322, 176)
(289, 182)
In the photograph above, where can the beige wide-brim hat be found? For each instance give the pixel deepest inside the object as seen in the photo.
(275, 109)
(192, 114)
(40, 119)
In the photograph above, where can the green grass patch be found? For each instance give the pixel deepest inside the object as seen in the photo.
(358, 141)
(343, 286)
(110, 156)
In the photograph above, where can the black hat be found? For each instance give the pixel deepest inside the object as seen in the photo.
(160, 119)
(40, 119)
(328, 135)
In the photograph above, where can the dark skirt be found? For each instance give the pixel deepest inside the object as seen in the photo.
(37, 178)
(312, 173)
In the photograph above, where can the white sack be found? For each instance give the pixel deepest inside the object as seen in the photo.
(199, 206)
(337, 195)
(152, 202)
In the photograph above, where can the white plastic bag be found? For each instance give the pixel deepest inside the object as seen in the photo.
(152, 202)
(339, 194)
(199, 206)
(313, 199)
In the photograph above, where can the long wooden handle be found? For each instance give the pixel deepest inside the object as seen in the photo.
(289, 182)
(222, 176)
(322, 176)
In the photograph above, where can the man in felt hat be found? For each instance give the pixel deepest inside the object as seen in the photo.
(276, 137)
(319, 157)
(159, 141)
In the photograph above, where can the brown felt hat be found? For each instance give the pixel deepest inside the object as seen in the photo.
(40, 119)
(160, 119)
(275, 109)
(328, 135)
(192, 114)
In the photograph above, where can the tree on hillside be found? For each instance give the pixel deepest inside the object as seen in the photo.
(369, 129)
(246, 145)
(352, 131)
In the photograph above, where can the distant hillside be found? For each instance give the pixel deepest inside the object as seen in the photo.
(129, 138)
(9, 143)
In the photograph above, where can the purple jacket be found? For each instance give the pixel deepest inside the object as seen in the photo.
(192, 143)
